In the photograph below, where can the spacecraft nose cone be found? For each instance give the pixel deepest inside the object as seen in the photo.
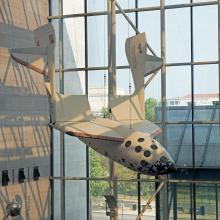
(171, 169)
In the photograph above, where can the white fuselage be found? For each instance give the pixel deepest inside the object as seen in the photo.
(138, 152)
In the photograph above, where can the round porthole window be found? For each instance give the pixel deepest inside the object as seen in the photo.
(147, 153)
(140, 139)
(138, 149)
(154, 147)
(163, 159)
(128, 144)
(144, 163)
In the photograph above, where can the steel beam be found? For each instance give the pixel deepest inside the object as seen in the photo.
(112, 87)
(163, 99)
(137, 180)
(154, 8)
(94, 68)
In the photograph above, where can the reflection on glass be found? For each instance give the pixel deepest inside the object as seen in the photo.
(127, 200)
(179, 201)
(74, 83)
(179, 144)
(75, 200)
(75, 156)
(147, 190)
(97, 201)
(57, 200)
(205, 202)
(207, 143)
(73, 43)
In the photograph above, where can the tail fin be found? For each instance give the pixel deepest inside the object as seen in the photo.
(141, 63)
(131, 109)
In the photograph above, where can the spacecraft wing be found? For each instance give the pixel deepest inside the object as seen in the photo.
(88, 129)
(145, 126)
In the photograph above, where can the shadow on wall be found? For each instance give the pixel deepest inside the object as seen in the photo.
(24, 110)
(24, 113)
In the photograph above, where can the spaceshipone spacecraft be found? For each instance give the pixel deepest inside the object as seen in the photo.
(125, 137)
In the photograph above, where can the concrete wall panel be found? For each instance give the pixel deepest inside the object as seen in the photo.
(24, 112)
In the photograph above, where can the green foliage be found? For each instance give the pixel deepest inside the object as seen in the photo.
(104, 112)
(98, 168)
(150, 105)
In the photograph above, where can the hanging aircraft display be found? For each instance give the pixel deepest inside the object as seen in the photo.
(125, 137)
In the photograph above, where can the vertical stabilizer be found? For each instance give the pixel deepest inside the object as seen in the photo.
(44, 36)
(131, 109)
(136, 48)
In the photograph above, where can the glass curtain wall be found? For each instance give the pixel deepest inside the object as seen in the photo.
(183, 98)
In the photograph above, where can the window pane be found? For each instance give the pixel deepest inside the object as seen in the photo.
(96, 5)
(56, 152)
(97, 200)
(153, 99)
(74, 83)
(206, 84)
(183, 201)
(73, 6)
(73, 43)
(75, 200)
(207, 143)
(174, 2)
(151, 26)
(127, 200)
(178, 91)
(98, 91)
(123, 79)
(99, 167)
(54, 6)
(147, 190)
(57, 200)
(97, 41)
(178, 35)
(126, 3)
(205, 33)
(205, 201)
(149, 3)
(179, 144)
(123, 31)
(75, 157)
